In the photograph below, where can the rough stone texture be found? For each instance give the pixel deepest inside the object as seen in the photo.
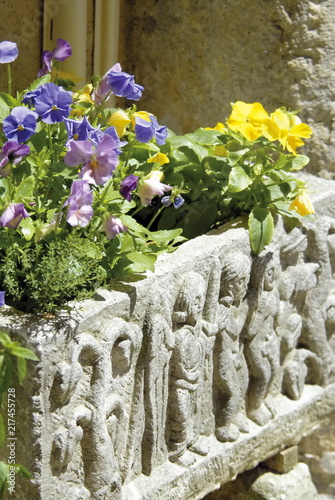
(284, 461)
(173, 385)
(296, 484)
(194, 58)
(318, 452)
(22, 22)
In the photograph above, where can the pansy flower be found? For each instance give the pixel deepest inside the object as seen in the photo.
(248, 119)
(8, 52)
(122, 84)
(20, 124)
(2, 299)
(302, 204)
(287, 129)
(79, 130)
(53, 103)
(128, 185)
(98, 162)
(13, 215)
(62, 51)
(177, 202)
(112, 226)
(152, 185)
(147, 128)
(11, 153)
(79, 204)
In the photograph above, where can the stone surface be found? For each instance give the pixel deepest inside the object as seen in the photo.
(194, 59)
(22, 22)
(318, 452)
(170, 386)
(284, 461)
(294, 485)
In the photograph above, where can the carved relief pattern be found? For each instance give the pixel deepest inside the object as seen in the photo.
(208, 356)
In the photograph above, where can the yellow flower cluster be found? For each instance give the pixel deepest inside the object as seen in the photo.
(252, 121)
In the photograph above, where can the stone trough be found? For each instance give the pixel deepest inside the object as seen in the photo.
(166, 388)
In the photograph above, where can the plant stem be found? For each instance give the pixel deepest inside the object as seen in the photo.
(155, 216)
(93, 117)
(9, 79)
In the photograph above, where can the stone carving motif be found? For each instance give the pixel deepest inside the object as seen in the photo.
(230, 369)
(186, 370)
(205, 357)
(96, 389)
(262, 345)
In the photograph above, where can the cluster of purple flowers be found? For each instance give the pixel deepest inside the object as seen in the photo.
(93, 151)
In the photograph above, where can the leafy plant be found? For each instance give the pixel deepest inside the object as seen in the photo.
(13, 367)
(90, 193)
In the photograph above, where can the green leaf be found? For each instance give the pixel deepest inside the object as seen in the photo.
(23, 352)
(40, 81)
(238, 180)
(28, 229)
(2, 431)
(25, 189)
(132, 224)
(261, 227)
(8, 99)
(24, 471)
(142, 261)
(205, 137)
(4, 109)
(297, 162)
(165, 236)
(5, 339)
(21, 366)
(91, 250)
(4, 470)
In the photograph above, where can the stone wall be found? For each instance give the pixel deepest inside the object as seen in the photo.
(22, 22)
(194, 57)
(170, 386)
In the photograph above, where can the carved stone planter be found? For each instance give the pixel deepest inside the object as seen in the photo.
(174, 384)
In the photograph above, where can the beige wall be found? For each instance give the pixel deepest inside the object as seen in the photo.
(194, 57)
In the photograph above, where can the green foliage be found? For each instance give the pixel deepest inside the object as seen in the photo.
(63, 246)
(12, 368)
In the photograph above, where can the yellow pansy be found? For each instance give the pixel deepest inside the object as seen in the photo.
(219, 126)
(119, 119)
(248, 119)
(287, 129)
(302, 204)
(82, 96)
(159, 158)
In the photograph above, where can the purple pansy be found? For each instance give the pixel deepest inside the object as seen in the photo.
(20, 124)
(2, 299)
(128, 185)
(30, 97)
(79, 204)
(62, 51)
(78, 130)
(122, 84)
(177, 202)
(113, 226)
(102, 90)
(96, 136)
(99, 162)
(13, 215)
(152, 185)
(147, 130)
(53, 103)
(11, 153)
(8, 52)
